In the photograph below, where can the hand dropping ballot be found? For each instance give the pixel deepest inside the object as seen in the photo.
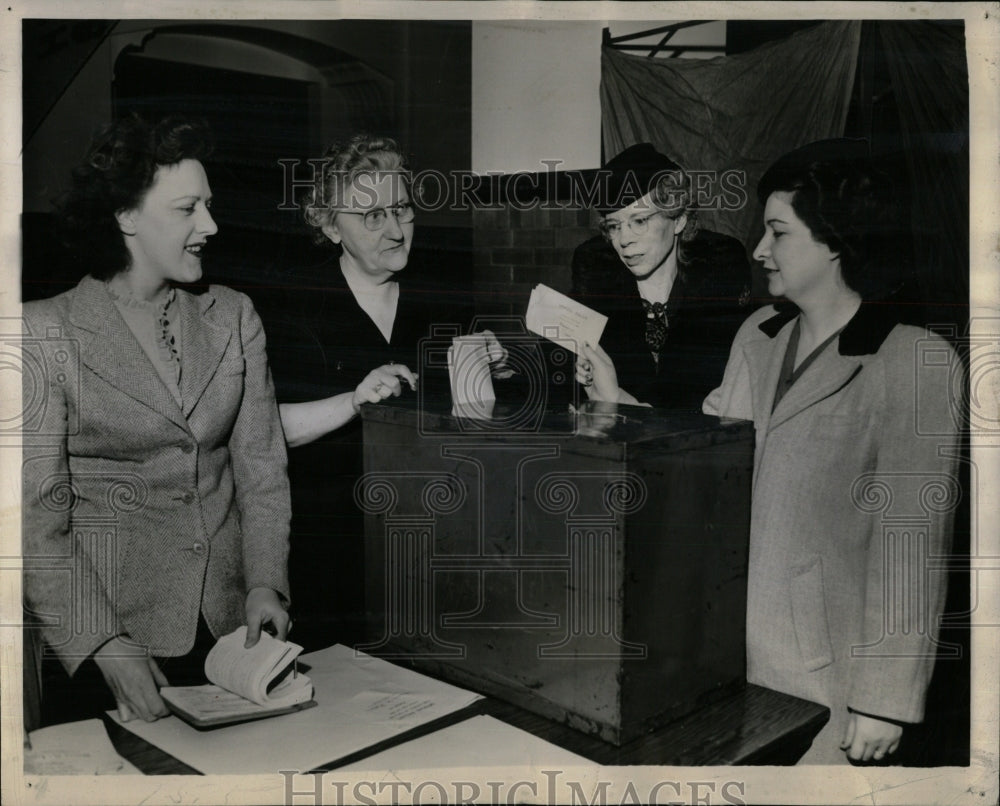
(472, 393)
(563, 320)
(246, 683)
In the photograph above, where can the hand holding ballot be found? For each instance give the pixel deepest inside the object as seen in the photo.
(578, 328)
(596, 371)
(471, 379)
(473, 363)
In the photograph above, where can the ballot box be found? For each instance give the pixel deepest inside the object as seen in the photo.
(586, 564)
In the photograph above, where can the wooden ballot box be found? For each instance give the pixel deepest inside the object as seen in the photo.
(588, 565)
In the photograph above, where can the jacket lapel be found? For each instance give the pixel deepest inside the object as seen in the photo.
(203, 343)
(829, 373)
(109, 349)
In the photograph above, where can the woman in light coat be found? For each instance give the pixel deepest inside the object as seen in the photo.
(155, 496)
(855, 469)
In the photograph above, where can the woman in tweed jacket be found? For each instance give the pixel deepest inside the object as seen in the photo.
(156, 503)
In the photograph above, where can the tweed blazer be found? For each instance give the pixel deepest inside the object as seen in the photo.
(137, 513)
(853, 495)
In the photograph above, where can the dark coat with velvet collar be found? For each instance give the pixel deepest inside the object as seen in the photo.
(853, 495)
(139, 513)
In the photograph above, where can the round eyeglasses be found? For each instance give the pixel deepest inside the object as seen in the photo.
(375, 219)
(637, 224)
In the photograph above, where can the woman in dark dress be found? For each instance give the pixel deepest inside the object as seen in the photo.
(674, 295)
(345, 317)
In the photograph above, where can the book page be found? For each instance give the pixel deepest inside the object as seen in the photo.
(209, 701)
(248, 671)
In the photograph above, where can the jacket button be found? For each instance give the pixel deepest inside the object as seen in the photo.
(187, 447)
(188, 497)
(198, 547)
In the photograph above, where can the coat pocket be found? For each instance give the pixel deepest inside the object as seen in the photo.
(809, 616)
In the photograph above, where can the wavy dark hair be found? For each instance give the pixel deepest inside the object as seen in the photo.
(849, 205)
(342, 163)
(120, 167)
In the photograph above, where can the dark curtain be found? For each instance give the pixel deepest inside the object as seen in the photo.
(735, 112)
(930, 79)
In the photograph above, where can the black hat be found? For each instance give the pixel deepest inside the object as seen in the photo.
(839, 154)
(630, 175)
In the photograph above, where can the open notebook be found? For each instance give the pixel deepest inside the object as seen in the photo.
(362, 704)
(245, 683)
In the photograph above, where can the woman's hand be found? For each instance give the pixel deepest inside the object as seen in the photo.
(134, 679)
(497, 356)
(596, 371)
(263, 606)
(870, 739)
(381, 383)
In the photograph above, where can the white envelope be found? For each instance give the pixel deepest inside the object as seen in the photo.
(563, 320)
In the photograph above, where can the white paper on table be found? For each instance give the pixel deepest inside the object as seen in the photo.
(360, 702)
(481, 741)
(563, 320)
(74, 748)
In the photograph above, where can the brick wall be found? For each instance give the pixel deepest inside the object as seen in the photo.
(515, 249)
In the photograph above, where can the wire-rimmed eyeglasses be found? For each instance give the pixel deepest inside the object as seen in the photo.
(637, 224)
(375, 219)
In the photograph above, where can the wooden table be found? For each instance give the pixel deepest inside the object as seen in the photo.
(754, 726)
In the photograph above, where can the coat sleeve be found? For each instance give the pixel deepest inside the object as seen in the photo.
(732, 398)
(260, 465)
(63, 592)
(912, 493)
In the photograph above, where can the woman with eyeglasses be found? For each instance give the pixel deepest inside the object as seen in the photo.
(673, 294)
(350, 334)
(360, 204)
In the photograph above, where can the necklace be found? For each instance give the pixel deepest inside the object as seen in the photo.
(163, 314)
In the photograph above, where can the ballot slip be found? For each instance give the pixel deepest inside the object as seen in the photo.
(559, 318)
